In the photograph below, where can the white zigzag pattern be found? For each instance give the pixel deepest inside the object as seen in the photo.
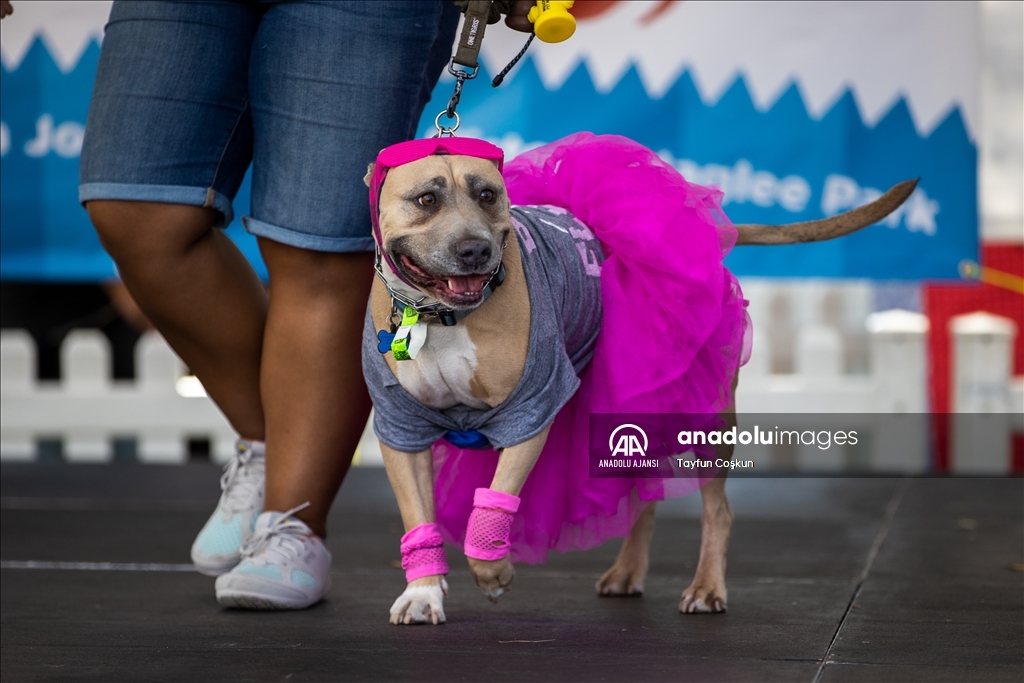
(923, 51)
(67, 29)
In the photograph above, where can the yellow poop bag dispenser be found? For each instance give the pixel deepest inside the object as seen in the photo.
(551, 20)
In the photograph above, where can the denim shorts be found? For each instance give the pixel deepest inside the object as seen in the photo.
(189, 93)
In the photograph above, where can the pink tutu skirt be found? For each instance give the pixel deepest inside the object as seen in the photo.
(664, 240)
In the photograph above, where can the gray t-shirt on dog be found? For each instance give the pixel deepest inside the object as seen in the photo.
(562, 261)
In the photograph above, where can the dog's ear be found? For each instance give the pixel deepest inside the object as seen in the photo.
(369, 174)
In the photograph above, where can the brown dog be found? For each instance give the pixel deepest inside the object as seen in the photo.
(445, 226)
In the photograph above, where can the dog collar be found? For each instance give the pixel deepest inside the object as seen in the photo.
(399, 155)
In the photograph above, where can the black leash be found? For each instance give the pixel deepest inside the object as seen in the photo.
(515, 60)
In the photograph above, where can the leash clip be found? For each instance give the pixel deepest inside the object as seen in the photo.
(461, 76)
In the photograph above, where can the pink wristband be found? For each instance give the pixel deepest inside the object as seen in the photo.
(423, 552)
(490, 524)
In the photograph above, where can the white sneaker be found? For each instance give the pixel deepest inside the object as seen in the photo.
(284, 566)
(217, 547)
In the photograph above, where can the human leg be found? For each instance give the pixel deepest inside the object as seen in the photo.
(320, 114)
(313, 391)
(170, 268)
(200, 293)
(167, 142)
(326, 97)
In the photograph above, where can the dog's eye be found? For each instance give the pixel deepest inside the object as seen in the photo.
(427, 200)
(487, 196)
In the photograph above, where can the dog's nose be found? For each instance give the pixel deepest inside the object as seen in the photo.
(473, 253)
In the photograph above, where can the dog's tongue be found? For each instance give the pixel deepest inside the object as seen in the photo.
(466, 284)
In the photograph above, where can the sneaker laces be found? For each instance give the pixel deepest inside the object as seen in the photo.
(282, 540)
(241, 480)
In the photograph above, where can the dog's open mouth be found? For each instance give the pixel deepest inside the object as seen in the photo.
(456, 290)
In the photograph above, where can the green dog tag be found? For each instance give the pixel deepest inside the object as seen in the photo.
(410, 336)
(400, 348)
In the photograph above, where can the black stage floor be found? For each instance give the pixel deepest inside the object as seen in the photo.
(829, 580)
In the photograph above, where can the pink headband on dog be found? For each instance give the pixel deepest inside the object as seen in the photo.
(413, 150)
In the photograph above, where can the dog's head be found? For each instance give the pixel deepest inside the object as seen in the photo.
(444, 222)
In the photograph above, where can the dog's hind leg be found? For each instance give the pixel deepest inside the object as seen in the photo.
(626, 576)
(707, 593)
(412, 479)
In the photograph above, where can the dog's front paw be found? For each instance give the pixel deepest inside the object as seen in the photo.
(421, 603)
(493, 577)
(703, 597)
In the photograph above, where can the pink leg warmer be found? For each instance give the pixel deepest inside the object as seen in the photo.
(423, 552)
(490, 523)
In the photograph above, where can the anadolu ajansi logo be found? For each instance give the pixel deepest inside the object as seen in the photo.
(628, 442)
(628, 446)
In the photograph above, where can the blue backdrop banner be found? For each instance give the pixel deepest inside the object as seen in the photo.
(795, 110)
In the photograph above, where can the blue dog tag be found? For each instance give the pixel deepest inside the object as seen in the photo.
(384, 339)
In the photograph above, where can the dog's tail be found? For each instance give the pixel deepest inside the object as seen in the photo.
(827, 228)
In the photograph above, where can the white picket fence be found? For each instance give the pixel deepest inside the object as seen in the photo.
(163, 407)
(86, 410)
